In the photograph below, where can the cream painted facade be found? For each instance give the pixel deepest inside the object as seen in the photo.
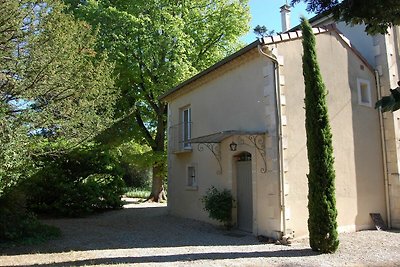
(383, 53)
(387, 61)
(255, 98)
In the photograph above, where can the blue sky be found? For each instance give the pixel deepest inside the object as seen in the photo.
(267, 12)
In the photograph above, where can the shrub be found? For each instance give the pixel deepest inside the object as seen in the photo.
(218, 204)
(76, 184)
(135, 176)
(18, 225)
(137, 192)
(24, 228)
(108, 190)
(63, 197)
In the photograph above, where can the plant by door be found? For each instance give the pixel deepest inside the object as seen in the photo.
(218, 204)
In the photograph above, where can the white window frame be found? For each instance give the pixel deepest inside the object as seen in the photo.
(367, 83)
(191, 176)
(186, 114)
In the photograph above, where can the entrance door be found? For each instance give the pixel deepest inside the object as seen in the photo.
(244, 194)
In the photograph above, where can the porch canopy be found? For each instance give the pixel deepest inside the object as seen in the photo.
(212, 143)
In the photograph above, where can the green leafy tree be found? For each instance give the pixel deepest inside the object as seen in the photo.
(262, 31)
(55, 90)
(322, 225)
(390, 102)
(377, 15)
(156, 45)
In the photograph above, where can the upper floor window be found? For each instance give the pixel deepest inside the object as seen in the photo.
(186, 127)
(364, 92)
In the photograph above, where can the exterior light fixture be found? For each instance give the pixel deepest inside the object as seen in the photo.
(233, 146)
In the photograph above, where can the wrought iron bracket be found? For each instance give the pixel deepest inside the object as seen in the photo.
(215, 149)
(259, 143)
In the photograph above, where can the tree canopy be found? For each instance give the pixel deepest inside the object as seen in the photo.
(377, 15)
(262, 31)
(390, 102)
(155, 46)
(55, 89)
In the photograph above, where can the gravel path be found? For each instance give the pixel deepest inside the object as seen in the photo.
(144, 235)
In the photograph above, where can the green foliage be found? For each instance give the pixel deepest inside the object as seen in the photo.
(136, 161)
(24, 228)
(55, 85)
(218, 204)
(76, 184)
(156, 45)
(137, 192)
(15, 162)
(262, 31)
(19, 226)
(390, 102)
(377, 15)
(322, 223)
(56, 92)
(135, 177)
(97, 192)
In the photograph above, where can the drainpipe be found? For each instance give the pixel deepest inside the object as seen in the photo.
(383, 144)
(280, 146)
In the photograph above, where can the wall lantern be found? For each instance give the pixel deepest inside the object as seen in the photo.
(233, 146)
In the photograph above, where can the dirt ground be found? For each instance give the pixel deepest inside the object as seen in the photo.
(145, 235)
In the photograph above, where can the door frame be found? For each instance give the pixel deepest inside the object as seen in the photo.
(253, 188)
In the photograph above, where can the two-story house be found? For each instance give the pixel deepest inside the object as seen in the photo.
(240, 125)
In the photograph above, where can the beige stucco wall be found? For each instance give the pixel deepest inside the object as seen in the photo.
(238, 96)
(233, 101)
(356, 136)
(387, 57)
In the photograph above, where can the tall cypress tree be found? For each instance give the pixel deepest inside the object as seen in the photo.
(322, 225)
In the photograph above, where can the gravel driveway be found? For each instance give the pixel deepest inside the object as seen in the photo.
(144, 235)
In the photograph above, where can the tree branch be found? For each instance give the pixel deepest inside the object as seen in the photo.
(144, 129)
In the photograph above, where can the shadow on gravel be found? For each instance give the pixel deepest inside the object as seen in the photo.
(136, 227)
(184, 257)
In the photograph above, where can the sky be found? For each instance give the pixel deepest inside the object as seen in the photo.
(267, 13)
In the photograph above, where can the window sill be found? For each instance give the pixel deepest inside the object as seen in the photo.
(365, 104)
(192, 188)
(183, 150)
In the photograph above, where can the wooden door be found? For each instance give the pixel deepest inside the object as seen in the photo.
(244, 196)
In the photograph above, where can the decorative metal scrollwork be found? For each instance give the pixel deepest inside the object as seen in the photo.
(215, 150)
(259, 143)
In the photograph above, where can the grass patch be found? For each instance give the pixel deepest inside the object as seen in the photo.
(137, 192)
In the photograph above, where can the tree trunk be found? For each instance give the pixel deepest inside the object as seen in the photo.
(157, 189)
(157, 145)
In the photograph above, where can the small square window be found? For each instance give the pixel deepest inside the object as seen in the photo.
(364, 92)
